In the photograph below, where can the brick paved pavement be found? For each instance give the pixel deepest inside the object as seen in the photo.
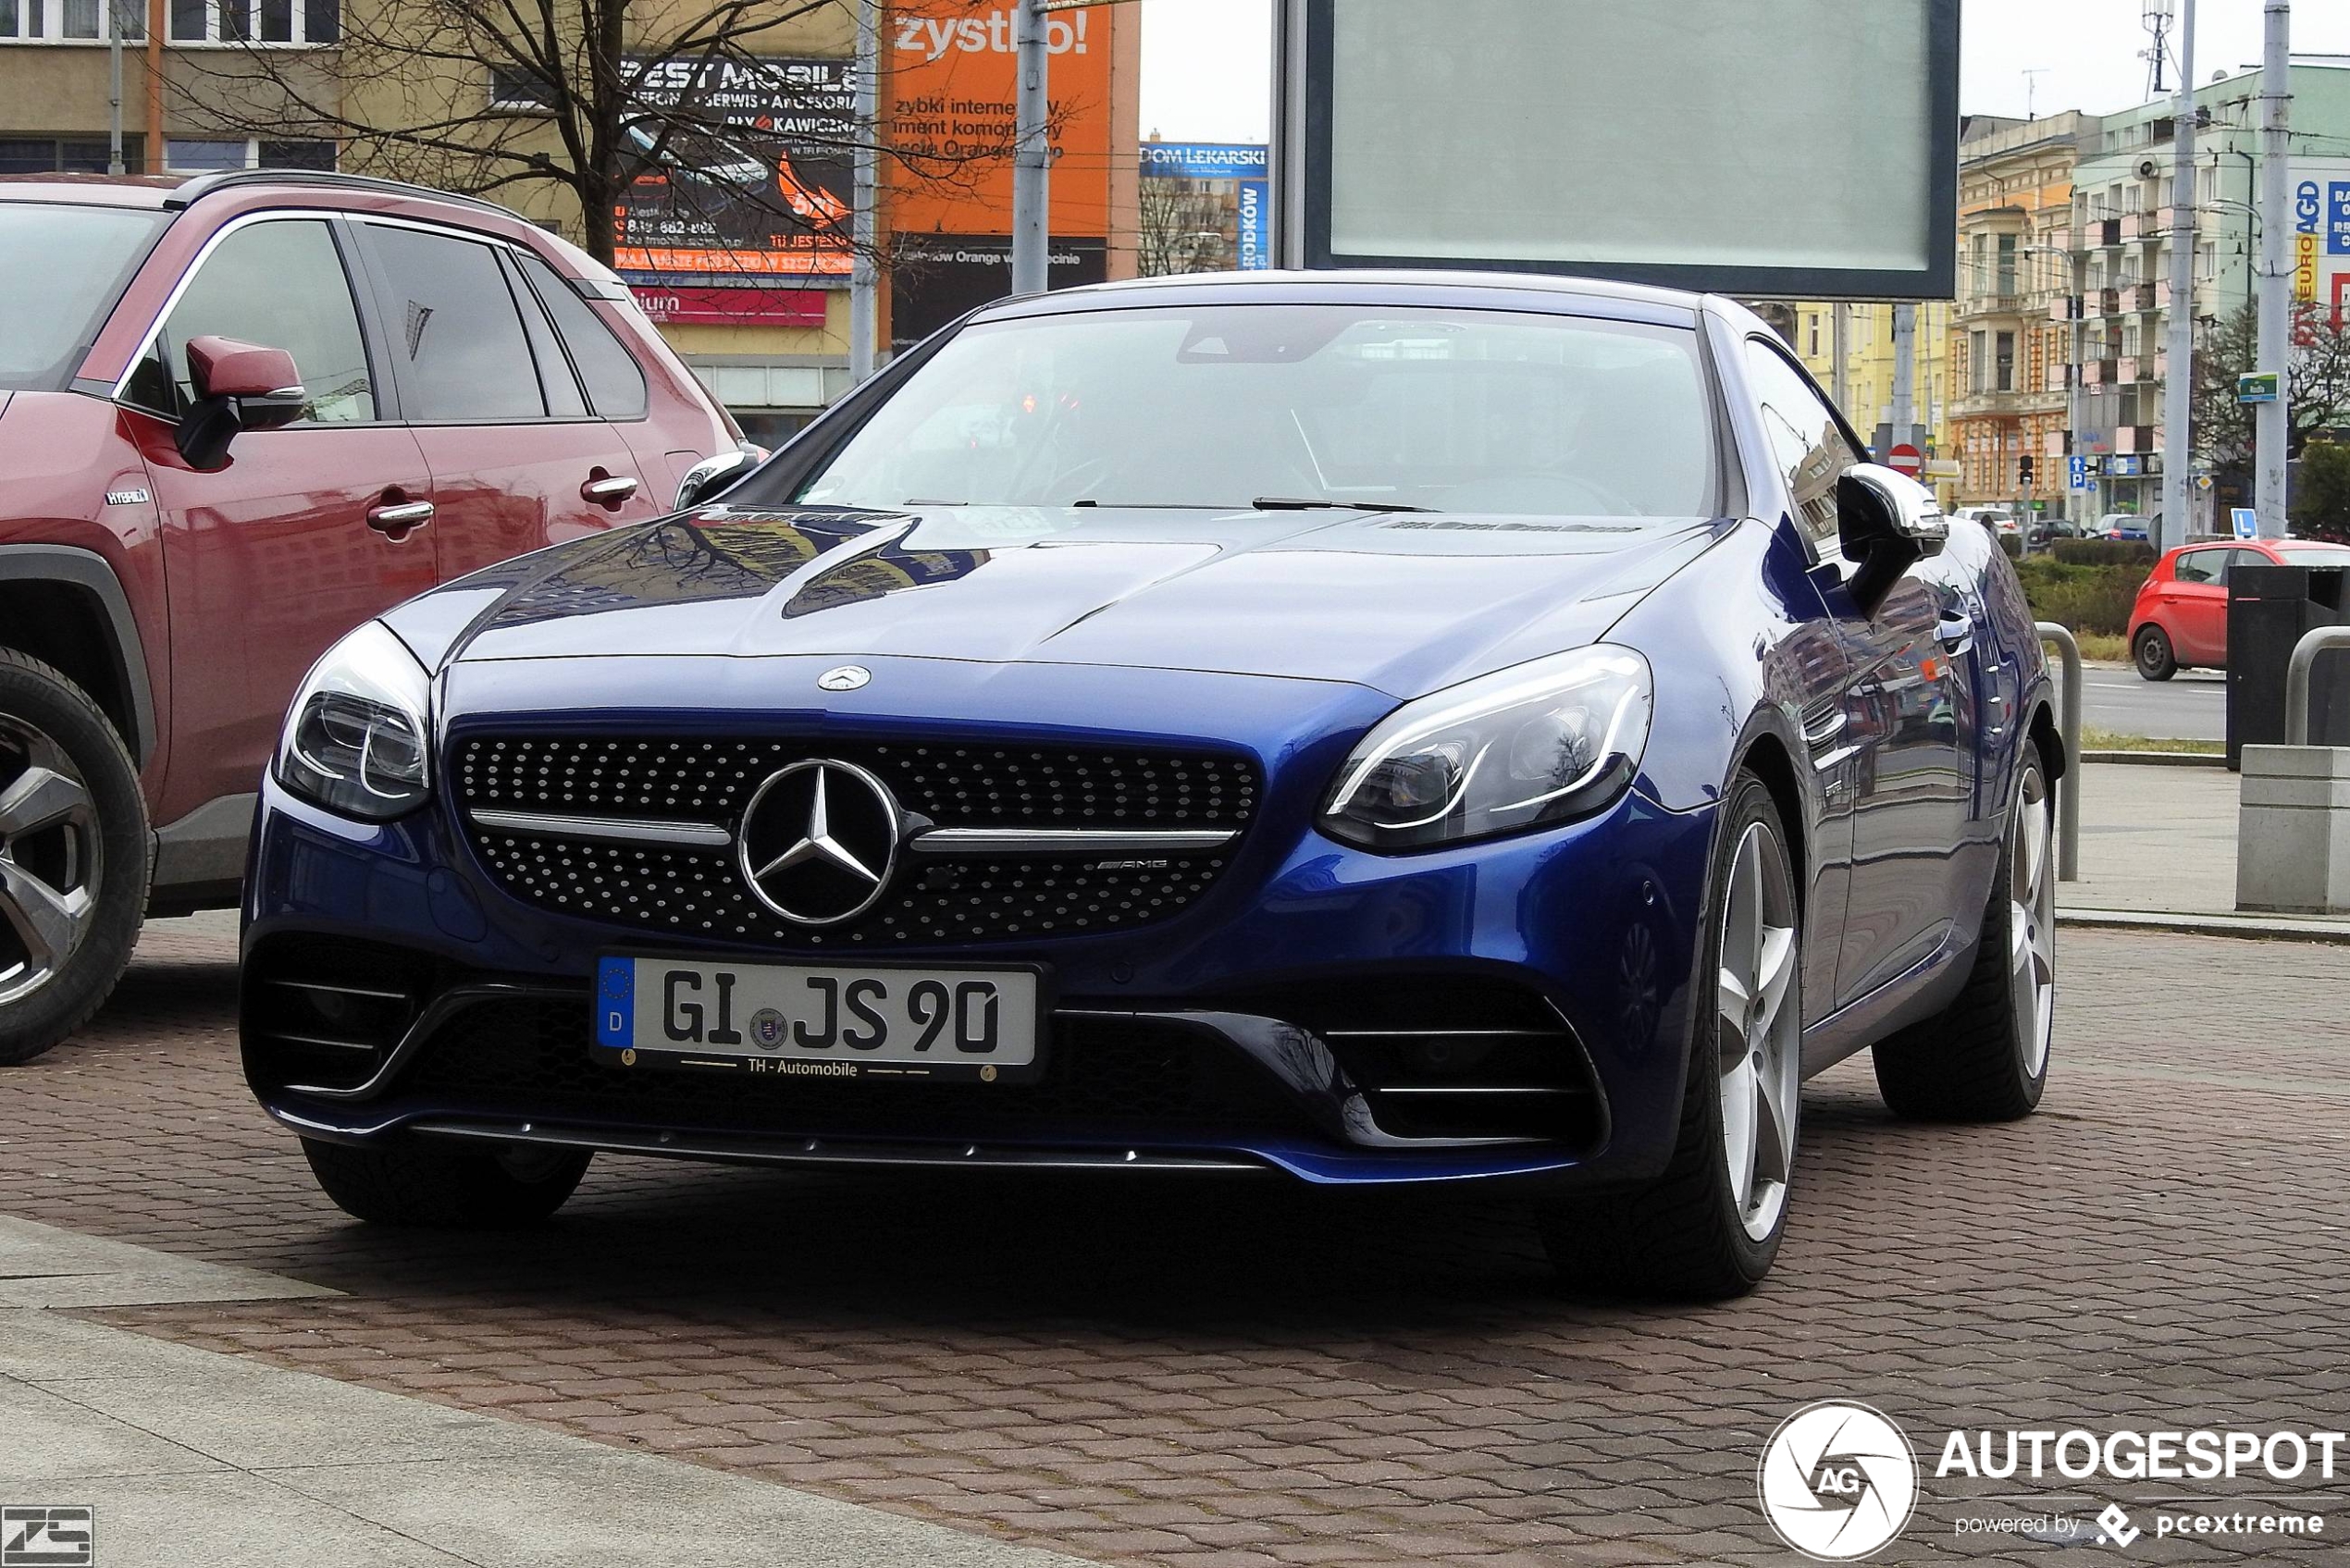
(1249, 1373)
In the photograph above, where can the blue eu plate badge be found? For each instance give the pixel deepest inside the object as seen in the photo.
(616, 1003)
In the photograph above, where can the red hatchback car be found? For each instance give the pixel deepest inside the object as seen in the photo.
(239, 416)
(2181, 618)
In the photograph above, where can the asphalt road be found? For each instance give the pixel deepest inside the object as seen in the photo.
(2191, 705)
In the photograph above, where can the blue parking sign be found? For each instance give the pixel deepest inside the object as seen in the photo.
(2076, 471)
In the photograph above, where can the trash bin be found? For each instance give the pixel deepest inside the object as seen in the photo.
(2269, 609)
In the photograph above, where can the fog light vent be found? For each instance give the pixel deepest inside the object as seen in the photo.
(1451, 1058)
(329, 1013)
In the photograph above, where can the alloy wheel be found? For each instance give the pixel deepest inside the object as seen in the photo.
(49, 859)
(2032, 922)
(1759, 1035)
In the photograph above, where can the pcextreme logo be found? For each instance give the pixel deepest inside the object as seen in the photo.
(1837, 1480)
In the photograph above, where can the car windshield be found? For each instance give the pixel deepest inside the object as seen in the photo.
(2316, 554)
(1318, 404)
(51, 311)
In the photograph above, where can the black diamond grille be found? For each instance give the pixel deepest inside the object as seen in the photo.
(965, 786)
(701, 892)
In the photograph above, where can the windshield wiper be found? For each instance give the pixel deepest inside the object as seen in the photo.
(1297, 503)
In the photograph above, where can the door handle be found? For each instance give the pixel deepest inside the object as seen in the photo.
(608, 489)
(396, 518)
(1956, 633)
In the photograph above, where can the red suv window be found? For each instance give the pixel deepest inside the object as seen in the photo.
(456, 332)
(616, 384)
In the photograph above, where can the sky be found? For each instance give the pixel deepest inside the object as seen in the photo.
(1206, 62)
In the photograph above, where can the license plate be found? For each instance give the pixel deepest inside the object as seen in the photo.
(808, 1021)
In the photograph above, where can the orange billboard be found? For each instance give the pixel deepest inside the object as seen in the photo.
(947, 88)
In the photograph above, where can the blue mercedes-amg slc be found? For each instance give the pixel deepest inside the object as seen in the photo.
(1363, 727)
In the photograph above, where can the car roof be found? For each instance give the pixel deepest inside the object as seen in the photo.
(2215, 541)
(174, 193)
(1490, 290)
(89, 190)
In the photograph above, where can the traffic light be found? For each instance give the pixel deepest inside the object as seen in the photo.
(2023, 469)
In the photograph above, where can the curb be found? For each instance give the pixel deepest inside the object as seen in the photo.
(2256, 928)
(2160, 759)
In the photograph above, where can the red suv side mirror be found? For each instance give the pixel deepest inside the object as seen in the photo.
(239, 386)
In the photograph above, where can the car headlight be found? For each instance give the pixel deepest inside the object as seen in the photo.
(357, 737)
(1521, 748)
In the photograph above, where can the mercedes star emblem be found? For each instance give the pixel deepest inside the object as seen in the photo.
(817, 842)
(845, 677)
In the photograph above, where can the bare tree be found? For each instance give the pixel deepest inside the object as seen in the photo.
(1179, 227)
(2319, 383)
(615, 104)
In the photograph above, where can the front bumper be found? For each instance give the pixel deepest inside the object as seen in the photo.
(1231, 1036)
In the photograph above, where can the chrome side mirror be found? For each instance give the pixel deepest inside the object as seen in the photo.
(712, 475)
(1886, 522)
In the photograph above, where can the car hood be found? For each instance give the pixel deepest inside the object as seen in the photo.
(1403, 602)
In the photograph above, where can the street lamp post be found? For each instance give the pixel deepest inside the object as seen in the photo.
(2177, 382)
(1032, 153)
(1031, 148)
(115, 164)
(2270, 423)
(864, 277)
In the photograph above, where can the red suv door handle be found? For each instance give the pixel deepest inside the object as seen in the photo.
(396, 518)
(607, 490)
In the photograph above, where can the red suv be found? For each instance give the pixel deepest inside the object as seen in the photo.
(2181, 618)
(237, 416)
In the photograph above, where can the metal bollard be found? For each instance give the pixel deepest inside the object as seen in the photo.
(2317, 640)
(2069, 721)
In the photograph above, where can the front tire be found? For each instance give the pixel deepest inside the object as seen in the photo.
(2153, 654)
(1709, 1228)
(74, 858)
(1987, 1058)
(446, 1187)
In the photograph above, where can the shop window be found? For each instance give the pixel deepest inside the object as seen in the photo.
(256, 21)
(68, 154)
(197, 156)
(71, 21)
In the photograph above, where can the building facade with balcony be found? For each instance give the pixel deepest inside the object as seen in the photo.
(2010, 344)
(1863, 385)
(180, 55)
(2125, 212)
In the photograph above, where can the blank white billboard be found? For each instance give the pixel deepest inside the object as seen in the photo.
(1755, 146)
